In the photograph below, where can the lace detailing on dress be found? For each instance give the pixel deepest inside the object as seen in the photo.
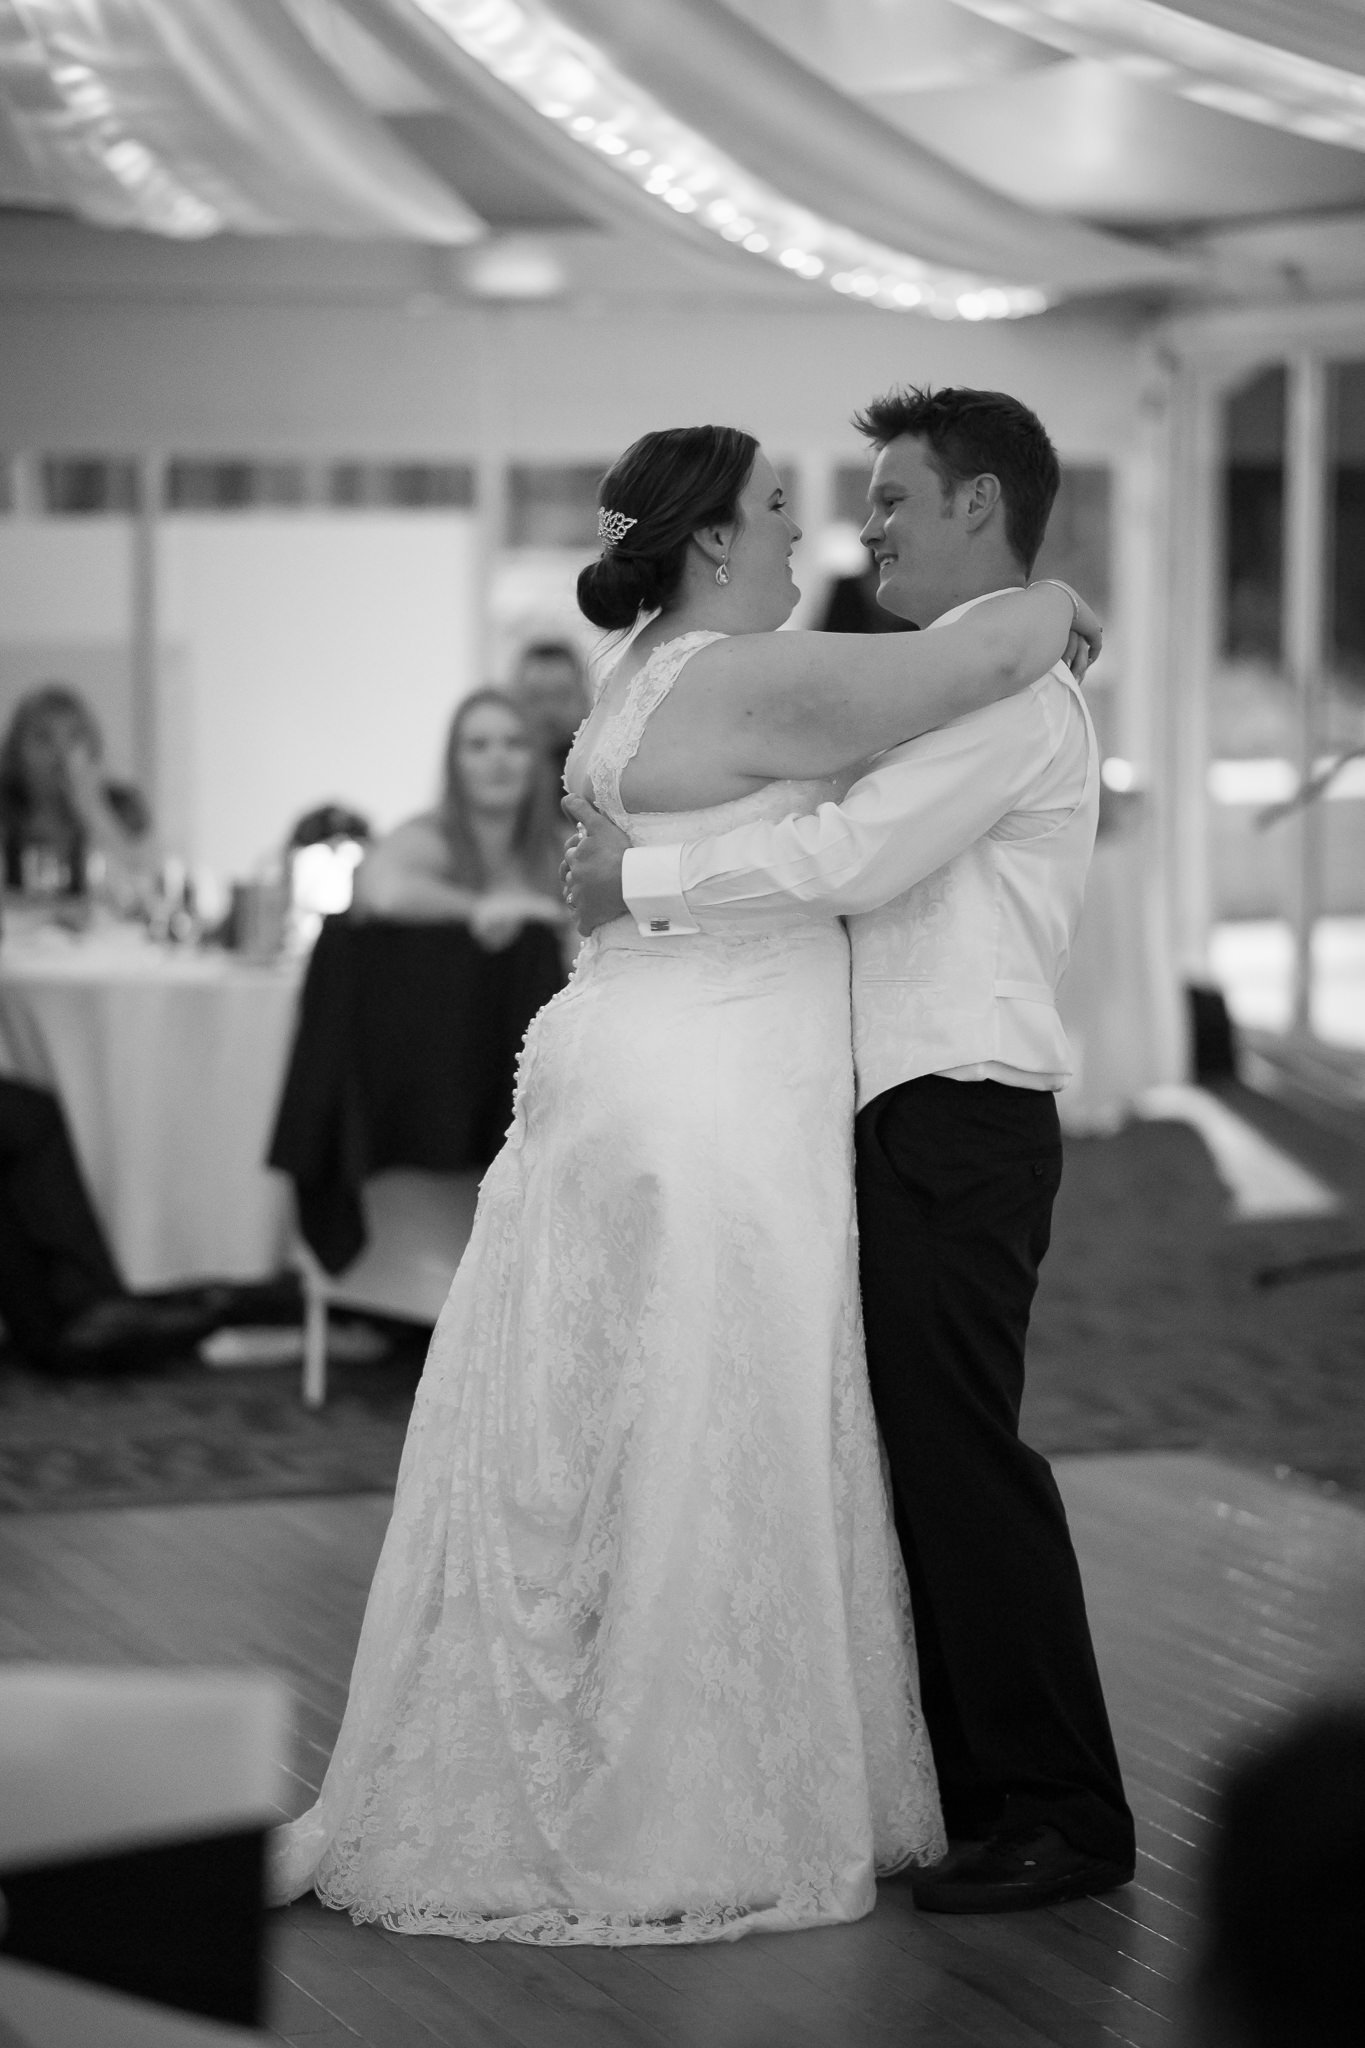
(637, 1663)
(621, 736)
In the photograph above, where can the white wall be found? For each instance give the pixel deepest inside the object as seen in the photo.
(298, 668)
(65, 605)
(539, 384)
(308, 659)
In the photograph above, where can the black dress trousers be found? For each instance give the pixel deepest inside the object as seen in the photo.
(54, 1261)
(956, 1181)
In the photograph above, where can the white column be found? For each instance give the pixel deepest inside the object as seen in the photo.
(1193, 523)
(814, 512)
(1305, 578)
(144, 634)
(490, 509)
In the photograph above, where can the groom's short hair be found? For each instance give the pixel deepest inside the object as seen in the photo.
(974, 433)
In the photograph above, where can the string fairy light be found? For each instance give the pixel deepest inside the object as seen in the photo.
(569, 82)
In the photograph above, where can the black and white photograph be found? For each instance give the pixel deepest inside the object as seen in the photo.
(682, 1023)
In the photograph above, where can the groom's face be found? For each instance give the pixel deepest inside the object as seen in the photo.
(916, 533)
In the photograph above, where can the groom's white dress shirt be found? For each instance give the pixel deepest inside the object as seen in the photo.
(959, 861)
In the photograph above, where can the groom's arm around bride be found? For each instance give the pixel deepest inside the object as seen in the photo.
(960, 862)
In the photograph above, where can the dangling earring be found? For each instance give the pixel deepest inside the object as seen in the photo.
(722, 575)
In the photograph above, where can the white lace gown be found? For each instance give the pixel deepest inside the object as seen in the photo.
(637, 1664)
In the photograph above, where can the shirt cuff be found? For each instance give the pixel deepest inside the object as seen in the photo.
(651, 882)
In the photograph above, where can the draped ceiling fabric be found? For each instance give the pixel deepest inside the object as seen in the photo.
(1038, 143)
(190, 116)
(812, 141)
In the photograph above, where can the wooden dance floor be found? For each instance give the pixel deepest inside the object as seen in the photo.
(1221, 1600)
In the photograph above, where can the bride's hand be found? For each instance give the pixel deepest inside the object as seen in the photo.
(591, 869)
(1087, 634)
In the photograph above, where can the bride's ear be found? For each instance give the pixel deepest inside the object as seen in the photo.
(715, 542)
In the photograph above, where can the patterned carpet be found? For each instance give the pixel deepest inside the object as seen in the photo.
(1151, 1330)
(1150, 1333)
(189, 1433)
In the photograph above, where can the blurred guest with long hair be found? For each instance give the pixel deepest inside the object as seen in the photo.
(65, 828)
(487, 855)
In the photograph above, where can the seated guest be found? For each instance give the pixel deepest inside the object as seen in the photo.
(64, 827)
(550, 685)
(488, 855)
(62, 1301)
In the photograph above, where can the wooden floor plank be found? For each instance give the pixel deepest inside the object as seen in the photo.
(1221, 1601)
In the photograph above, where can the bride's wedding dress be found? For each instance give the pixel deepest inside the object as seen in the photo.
(637, 1663)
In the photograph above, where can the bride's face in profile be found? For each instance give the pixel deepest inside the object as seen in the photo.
(760, 551)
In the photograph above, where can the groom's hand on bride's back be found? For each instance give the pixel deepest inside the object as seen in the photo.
(591, 869)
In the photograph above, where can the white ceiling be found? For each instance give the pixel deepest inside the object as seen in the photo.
(931, 126)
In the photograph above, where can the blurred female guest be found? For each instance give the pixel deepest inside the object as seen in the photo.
(488, 855)
(64, 827)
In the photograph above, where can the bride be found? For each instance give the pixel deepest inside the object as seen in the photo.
(637, 1664)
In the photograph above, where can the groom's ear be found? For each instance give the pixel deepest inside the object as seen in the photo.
(980, 498)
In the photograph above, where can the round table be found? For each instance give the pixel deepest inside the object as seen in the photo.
(168, 1063)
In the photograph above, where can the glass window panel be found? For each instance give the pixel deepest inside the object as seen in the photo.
(1077, 544)
(1253, 511)
(850, 484)
(1337, 1005)
(553, 505)
(1253, 716)
(88, 483)
(235, 484)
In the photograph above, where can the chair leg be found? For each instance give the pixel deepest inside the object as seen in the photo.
(314, 1344)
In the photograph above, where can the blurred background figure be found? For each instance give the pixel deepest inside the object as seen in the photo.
(63, 1303)
(852, 607)
(66, 830)
(1285, 1893)
(487, 856)
(1119, 999)
(549, 682)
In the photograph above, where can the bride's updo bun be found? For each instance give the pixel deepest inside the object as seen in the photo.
(667, 485)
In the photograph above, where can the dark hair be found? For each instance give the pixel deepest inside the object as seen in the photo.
(537, 837)
(670, 483)
(49, 700)
(551, 650)
(975, 433)
(1285, 1884)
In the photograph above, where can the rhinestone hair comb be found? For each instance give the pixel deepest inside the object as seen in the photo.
(612, 527)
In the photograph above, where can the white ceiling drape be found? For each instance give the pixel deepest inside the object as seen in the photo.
(971, 158)
(1327, 31)
(832, 154)
(185, 117)
(1294, 64)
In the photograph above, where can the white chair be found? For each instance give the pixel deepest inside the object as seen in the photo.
(417, 1226)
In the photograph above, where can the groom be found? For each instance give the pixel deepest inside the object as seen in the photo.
(960, 861)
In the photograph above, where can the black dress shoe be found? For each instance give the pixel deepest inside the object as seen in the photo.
(1013, 1871)
(129, 1330)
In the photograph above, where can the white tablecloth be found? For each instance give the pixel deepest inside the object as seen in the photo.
(168, 1065)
